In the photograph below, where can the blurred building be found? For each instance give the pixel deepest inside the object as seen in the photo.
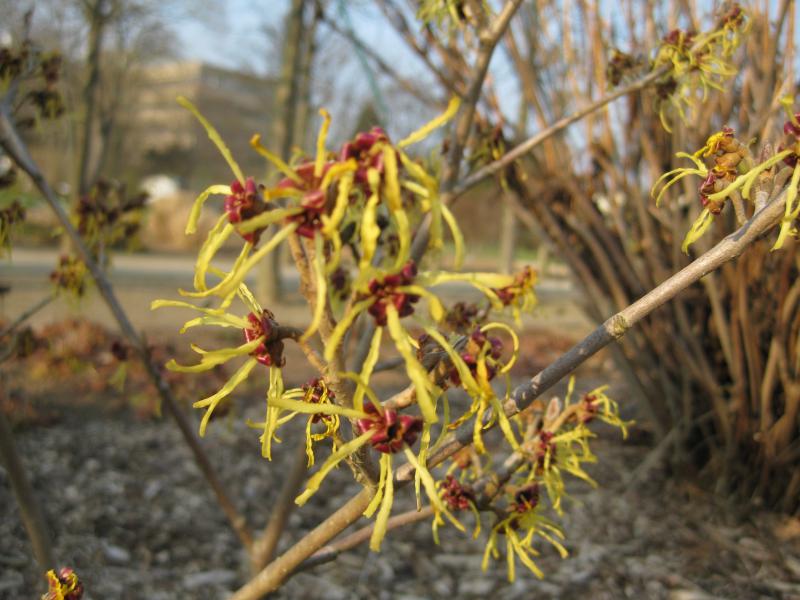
(172, 142)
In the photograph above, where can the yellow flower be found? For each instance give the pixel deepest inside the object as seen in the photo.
(524, 523)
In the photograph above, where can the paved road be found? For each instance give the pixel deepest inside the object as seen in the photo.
(141, 277)
(28, 265)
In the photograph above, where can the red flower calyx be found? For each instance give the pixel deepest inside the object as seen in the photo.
(391, 431)
(314, 390)
(455, 495)
(244, 203)
(270, 351)
(365, 150)
(385, 292)
(526, 499)
(477, 343)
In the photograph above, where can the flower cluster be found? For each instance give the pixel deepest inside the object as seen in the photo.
(261, 327)
(729, 153)
(38, 73)
(456, 495)
(243, 203)
(350, 216)
(452, 15)
(10, 215)
(107, 216)
(697, 62)
(556, 444)
(389, 290)
(390, 432)
(63, 585)
(735, 174)
(70, 276)
(620, 66)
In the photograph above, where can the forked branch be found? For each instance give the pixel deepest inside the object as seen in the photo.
(611, 330)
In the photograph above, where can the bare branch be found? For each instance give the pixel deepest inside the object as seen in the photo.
(16, 150)
(529, 144)
(270, 578)
(264, 547)
(29, 510)
(460, 135)
(329, 553)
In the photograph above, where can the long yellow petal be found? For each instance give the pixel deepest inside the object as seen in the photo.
(699, 227)
(212, 358)
(370, 232)
(381, 521)
(458, 238)
(321, 285)
(343, 325)
(214, 136)
(336, 171)
(425, 130)
(331, 223)
(197, 207)
(515, 341)
(277, 161)
(212, 401)
(319, 161)
(434, 304)
(312, 408)
(369, 365)
(790, 211)
(243, 254)
(265, 219)
(416, 372)
(376, 499)
(238, 274)
(221, 231)
(334, 459)
(219, 321)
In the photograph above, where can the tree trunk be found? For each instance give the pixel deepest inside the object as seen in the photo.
(97, 22)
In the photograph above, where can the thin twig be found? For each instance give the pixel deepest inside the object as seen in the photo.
(12, 327)
(264, 547)
(15, 148)
(389, 364)
(382, 65)
(488, 42)
(276, 572)
(328, 553)
(29, 509)
(529, 144)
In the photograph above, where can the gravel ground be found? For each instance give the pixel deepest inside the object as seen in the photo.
(132, 515)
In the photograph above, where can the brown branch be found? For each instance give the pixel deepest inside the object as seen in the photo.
(264, 547)
(616, 326)
(17, 151)
(529, 144)
(12, 327)
(328, 553)
(275, 573)
(29, 509)
(489, 38)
